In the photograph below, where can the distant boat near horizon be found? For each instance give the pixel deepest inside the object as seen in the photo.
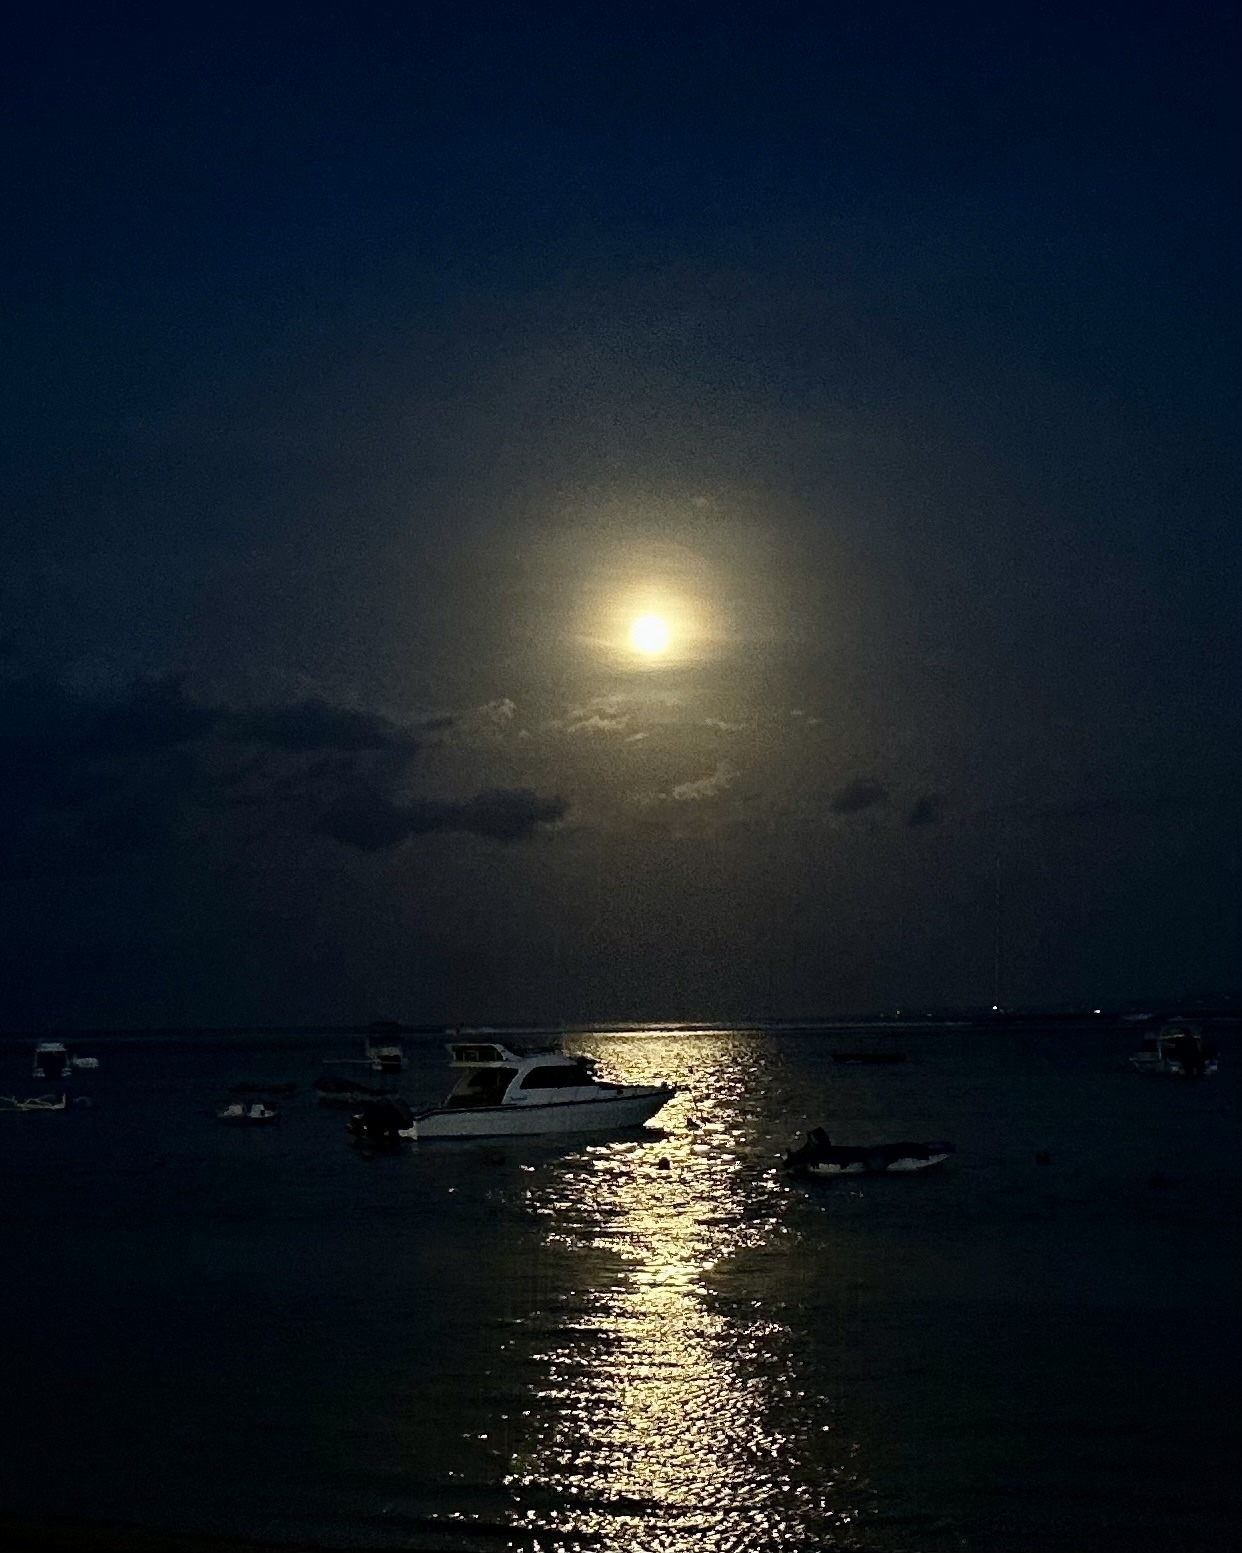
(254, 1115)
(385, 1056)
(53, 1060)
(1178, 1048)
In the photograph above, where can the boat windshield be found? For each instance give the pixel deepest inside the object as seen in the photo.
(562, 1075)
(481, 1086)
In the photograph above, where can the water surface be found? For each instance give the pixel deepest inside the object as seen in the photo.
(649, 1340)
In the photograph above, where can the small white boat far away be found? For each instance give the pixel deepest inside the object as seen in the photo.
(504, 1093)
(249, 1115)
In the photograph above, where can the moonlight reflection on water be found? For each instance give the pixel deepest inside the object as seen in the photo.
(670, 1416)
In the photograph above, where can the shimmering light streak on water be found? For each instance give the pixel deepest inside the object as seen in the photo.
(656, 1424)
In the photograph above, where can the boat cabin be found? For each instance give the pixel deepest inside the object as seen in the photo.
(495, 1075)
(52, 1060)
(1178, 1047)
(385, 1056)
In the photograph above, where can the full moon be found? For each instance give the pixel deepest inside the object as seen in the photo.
(649, 635)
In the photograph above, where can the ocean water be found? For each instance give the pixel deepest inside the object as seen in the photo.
(652, 1340)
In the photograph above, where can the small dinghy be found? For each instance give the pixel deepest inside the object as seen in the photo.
(255, 1115)
(820, 1156)
(869, 1057)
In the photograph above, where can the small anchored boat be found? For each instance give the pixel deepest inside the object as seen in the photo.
(505, 1092)
(253, 1115)
(876, 1058)
(1178, 1048)
(384, 1056)
(53, 1059)
(820, 1156)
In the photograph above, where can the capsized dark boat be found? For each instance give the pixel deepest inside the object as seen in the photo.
(872, 1057)
(820, 1156)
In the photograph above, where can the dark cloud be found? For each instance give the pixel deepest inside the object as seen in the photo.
(84, 784)
(92, 819)
(372, 821)
(854, 797)
(508, 813)
(156, 714)
(315, 724)
(925, 811)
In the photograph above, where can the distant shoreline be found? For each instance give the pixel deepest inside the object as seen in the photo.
(1226, 1011)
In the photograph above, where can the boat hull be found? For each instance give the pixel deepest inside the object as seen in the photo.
(632, 1107)
(1144, 1062)
(860, 1167)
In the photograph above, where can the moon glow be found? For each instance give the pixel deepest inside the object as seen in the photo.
(649, 635)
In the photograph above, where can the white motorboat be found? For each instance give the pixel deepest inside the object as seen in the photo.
(34, 1103)
(1178, 1048)
(503, 1092)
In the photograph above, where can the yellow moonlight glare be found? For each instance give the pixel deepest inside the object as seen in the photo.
(649, 635)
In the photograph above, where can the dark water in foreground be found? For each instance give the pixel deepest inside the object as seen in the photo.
(577, 1346)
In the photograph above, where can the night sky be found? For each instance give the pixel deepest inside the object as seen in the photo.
(369, 371)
